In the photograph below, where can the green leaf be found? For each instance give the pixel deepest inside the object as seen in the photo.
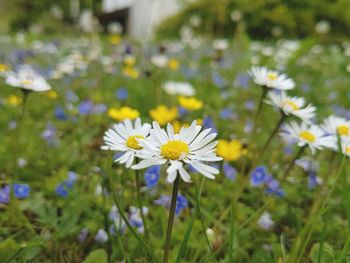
(97, 256)
(8, 249)
(327, 255)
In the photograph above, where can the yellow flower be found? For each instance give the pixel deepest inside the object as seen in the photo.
(173, 64)
(114, 39)
(230, 150)
(4, 68)
(162, 114)
(123, 113)
(178, 125)
(131, 72)
(13, 100)
(52, 94)
(129, 61)
(190, 103)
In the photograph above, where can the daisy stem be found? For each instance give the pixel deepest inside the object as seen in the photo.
(292, 163)
(24, 104)
(258, 110)
(139, 200)
(121, 212)
(171, 219)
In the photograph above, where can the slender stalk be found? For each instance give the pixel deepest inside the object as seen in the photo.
(292, 163)
(261, 101)
(139, 201)
(121, 212)
(272, 135)
(171, 219)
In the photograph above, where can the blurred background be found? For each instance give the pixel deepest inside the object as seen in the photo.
(328, 20)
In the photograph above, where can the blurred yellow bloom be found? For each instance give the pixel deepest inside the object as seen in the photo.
(230, 150)
(52, 94)
(162, 114)
(129, 61)
(114, 39)
(173, 64)
(13, 100)
(200, 121)
(131, 72)
(178, 125)
(123, 113)
(190, 103)
(4, 68)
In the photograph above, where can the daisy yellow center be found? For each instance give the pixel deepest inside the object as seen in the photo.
(343, 130)
(307, 136)
(347, 150)
(291, 104)
(272, 76)
(174, 150)
(26, 82)
(132, 143)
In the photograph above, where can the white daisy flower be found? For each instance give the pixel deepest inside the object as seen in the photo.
(190, 146)
(337, 126)
(123, 138)
(305, 135)
(271, 79)
(159, 60)
(179, 88)
(345, 146)
(26, 78)
(291, 105)
(265, 221)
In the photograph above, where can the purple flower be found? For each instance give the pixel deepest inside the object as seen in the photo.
(229, 171)
(152, 175)
(217, 79)
(49, 135)
(250, 105)
(83, 235)
(5, 194)
(101, 236)
(60, 114)
(242, 80)
(226, 113)
(257, 177)
(85, 107)
(181, 204)
(209, 124)
(122, 94)
(21, 190)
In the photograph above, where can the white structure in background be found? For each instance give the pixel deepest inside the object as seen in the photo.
(144, 14)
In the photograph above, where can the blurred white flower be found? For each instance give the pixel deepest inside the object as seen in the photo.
(291, 105)
(179, 88)
(265, 221)
(26, 78)
(323, 27)
(220, 44)
(159, 60)
(271, 79)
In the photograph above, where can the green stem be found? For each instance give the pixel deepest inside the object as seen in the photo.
(171, 219)
(292, 163)
(120, 210)
(139, 201)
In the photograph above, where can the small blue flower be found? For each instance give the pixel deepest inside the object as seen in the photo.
(60, 114)
(242, 80)
(313, 180)
(250, 105)
(85, 107)
(181, 204)
(226, 113)
(99, 108)
(229, 171)
(182, 111)
(101, 236)
(62, 189)
(83, 235)
(71, 96)
(217, 79)
(21, 190)
(122, 94)
(49, 135)
(5, 194)
(257, 177)
(208, 123)
(152, 175)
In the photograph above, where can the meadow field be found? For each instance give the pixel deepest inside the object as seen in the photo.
(245, 143)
